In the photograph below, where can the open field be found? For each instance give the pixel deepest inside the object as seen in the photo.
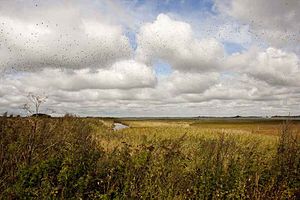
(247, 125)
(73, 157)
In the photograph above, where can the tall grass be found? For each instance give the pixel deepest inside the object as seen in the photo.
(62, 158)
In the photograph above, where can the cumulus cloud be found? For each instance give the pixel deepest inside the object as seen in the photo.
(58, 36)
(276, 21)
(272, 65)
(125, 74)
(244, 93)
(174, 42)
(185, 82)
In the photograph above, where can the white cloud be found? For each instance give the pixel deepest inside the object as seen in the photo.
(60, 38)
(182, 83)
(174, 42)
(272, 65)
(276, 21)
(125, 74)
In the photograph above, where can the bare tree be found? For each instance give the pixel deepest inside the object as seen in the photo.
(35, 101)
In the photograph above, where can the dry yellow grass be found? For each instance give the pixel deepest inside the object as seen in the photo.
(154, 130)
(156, 123)
(167, 159)
(158, 129)
(266, 127)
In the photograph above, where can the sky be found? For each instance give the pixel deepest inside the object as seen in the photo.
(151, 57)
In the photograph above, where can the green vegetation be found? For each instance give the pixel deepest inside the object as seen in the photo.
(70, 157)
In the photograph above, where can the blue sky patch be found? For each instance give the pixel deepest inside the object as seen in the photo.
(162, 68)
(232, 47)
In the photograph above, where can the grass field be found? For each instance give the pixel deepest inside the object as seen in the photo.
(70, 157)
(254, 126)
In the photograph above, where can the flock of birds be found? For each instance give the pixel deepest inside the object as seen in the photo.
(55, 46)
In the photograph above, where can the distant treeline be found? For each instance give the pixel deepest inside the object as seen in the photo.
(282, 116)
(251, 117)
